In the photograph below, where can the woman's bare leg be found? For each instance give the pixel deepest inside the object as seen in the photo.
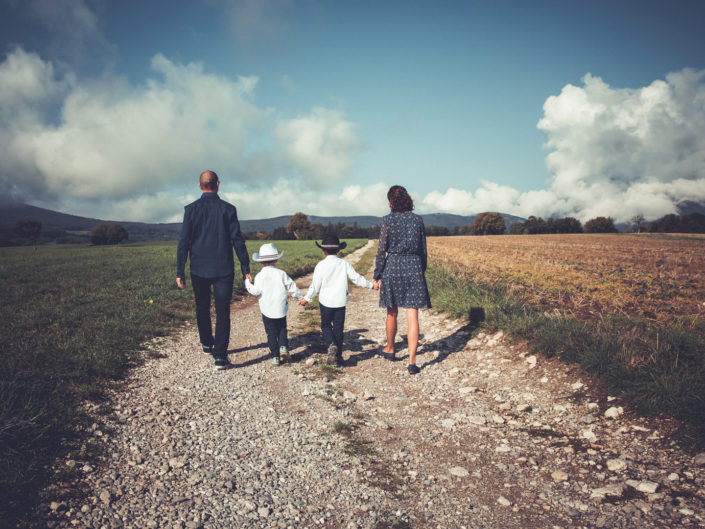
(391, 325)
(412, 318)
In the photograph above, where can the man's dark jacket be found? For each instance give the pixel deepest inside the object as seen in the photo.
(209, 233)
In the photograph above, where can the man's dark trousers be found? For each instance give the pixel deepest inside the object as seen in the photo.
(222, 294)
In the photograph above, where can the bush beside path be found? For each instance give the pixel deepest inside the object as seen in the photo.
(486, 435)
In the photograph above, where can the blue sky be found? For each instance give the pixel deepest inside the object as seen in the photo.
(551, 108)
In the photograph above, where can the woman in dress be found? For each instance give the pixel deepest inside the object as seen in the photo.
(399, 270)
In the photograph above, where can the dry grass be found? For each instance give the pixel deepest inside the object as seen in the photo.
(654, 277)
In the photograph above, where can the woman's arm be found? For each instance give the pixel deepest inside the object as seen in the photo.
(381, 258)
(424, 251)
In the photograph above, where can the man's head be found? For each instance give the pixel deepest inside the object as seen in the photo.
(208, 182)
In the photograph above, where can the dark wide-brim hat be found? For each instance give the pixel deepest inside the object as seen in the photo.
(331, 242)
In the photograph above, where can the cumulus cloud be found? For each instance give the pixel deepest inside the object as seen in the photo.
(112, 140)
(620, 152)
(614, 152)
(285, 198)
(319, 144)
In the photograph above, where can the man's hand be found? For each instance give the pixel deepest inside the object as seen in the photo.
(303, 302)
(249, 276)
(180, 283)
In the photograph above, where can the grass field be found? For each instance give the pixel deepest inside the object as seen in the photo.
(74, 318)
(627, 308)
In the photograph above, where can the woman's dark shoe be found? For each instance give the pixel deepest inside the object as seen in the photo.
(388, 356)
(413, 369)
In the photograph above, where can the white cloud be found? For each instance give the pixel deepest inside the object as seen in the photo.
(614, 152)
(113, 140)
(320, 144)
(619, 152)
(286, 198)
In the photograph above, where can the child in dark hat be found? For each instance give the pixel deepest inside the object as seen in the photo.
(330, 282)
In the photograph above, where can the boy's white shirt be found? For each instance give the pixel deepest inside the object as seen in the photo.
(330, 280)
(271, 286)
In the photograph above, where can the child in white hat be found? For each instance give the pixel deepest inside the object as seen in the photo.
(271, 286)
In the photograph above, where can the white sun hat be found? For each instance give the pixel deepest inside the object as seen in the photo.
(267, 252)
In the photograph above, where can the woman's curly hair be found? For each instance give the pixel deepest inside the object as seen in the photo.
(399, 199)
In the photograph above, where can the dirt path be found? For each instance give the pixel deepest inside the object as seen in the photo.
(485, 436)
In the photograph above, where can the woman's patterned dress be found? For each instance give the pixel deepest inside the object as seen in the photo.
(401, 262)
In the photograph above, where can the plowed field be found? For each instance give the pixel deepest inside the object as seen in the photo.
(658, 278)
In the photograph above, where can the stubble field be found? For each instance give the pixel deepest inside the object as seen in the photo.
(657, 278)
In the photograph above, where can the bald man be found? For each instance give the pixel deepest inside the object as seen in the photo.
(209, 233)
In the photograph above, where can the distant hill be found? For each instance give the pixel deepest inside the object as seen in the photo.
(62, 227)
(687, 207)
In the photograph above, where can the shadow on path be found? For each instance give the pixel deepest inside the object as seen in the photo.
(447, 345)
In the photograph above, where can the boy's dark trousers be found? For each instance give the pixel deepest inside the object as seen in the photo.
(332, 323)
(276, 334)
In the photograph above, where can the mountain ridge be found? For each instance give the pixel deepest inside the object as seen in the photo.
(65, 226)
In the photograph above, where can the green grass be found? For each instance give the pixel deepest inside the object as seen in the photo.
(656, 369)
(74, 318)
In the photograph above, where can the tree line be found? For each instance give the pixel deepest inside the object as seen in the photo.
(490, 223)
(487, 223)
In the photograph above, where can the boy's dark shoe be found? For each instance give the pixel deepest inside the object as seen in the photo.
(222, 363)
(332, 358)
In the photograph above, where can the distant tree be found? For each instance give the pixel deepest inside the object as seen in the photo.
(489, 223)
(99, 234)
(300, 226)
(535, 225)
(29, 229)
(437, 231)
(692, 223)
(666, 224)
(551, 226)
(568, 225)
(462, 230)
(635, 223)
(116, 234)
(316, 231)
(282, 234)
(600, 225)
(516, 228)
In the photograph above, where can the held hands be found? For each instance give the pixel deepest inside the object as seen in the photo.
(249, 276)
(376, 284)
(303, 302)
